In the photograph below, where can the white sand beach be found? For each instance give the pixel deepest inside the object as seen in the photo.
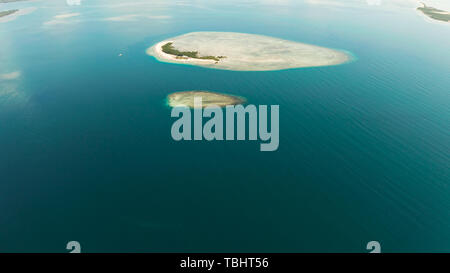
(247, 52)
(186, 98)
(157, 51)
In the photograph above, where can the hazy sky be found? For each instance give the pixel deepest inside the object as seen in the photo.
(443, 4)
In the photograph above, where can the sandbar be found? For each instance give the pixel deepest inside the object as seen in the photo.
(246, 52)
(186, 98)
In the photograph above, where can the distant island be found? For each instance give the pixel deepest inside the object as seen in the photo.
(8, 12)
(10, 15)
(186, 98)
(436, 14)
(243, 52)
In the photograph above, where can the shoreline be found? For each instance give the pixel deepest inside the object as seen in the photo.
(162, 56)
(209, 99)
(18, 13)
(5, 13)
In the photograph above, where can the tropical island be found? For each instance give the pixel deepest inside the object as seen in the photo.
(8, 12)
(243, 52)
(14, 12)
(434, 13)
(186, 98)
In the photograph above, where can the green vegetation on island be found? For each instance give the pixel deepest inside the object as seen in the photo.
(434, 13)
(169, 49)
(8, 12)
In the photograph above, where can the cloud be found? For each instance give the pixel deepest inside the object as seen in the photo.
(330, 3)
(374, 2)
(439, 4)
(353, 3)
(73, 2)
(10, 76)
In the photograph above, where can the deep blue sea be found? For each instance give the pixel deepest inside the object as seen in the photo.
(86, 152)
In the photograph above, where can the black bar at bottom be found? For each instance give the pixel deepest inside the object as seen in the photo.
(230, 262)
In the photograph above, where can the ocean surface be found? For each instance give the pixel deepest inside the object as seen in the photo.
(86, 153)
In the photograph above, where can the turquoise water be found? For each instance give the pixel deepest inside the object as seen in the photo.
(86, 152)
